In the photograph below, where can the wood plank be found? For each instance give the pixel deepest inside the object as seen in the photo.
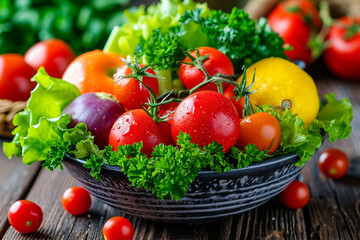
(16, 179)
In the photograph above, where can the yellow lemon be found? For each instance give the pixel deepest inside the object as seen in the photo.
(283, 84)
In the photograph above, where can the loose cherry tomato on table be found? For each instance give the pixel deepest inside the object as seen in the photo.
(118, 228)
(333, 163)
(15, 75)
(54, 55)
(129, 91)
(207, 116)
(93, 71)
(296, 195)
(217, 62)
(76, 200)
(342, 57)
(261, 129)
(295, 20)
(25, 216)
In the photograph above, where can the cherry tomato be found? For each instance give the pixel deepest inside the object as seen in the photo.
(342, 55)
(217, 62)
(118, 228)
(76, 200)
(296, 195)
(54, 54)
(333, 163)
(261, 129)
(25, 216)
(135, 126)
(238, 104)
(130, 92)
(93, 71)
(168, 110)
(15, 75)
(207, 116)
(295, 20)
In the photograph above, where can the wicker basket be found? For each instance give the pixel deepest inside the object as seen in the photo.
(7, 111)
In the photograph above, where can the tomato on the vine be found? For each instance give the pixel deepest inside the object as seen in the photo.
(76, 200)
(295, 20)
(15, 75)
(118, 228)
(25, 216)
(238, 104)
(333, 163)
(135, 126)
(130, 92)
(296, 195)
(342, 54)
(54, 55)
(168, 110)
(217, 62)
(207, 116)
(261, 129)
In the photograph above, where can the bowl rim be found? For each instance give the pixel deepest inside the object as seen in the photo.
(266, 165)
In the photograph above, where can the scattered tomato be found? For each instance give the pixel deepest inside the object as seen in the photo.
(333, 163)
(54, 55)
(135, 126)
(130, 92)
(296, 195)
(15, 75)
(25, 216)
(118, 228)
(342, 56)
(217, 62)
(76, 200)
(295, 20)
(93, 71)
(261, 129)
(207, 116)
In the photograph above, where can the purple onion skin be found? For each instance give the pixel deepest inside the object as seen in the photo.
(98, 111)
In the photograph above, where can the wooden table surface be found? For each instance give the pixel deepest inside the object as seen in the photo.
(332, 213)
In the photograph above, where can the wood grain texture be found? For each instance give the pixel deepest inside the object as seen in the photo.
(15, 180)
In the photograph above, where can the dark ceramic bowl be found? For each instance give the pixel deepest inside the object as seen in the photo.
(210, 196)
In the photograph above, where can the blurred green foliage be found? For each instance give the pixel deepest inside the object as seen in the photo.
(84, 24)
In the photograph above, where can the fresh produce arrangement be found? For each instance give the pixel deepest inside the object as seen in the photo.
(190, 89)
(311, 32)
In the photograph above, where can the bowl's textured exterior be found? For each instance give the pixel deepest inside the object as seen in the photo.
(210, 196)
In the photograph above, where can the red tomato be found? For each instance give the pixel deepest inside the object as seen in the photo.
(15, 75)
(295, 20)
(93, 71)
(76, 200)
(261, 129)
(207, 116)
(130, 92)
(168, 109)
(25, 216)
(333, 163)
(135, 126)
(118, 228)
(238, 104)
(296, 195)
(343, 55)
(217, 62)
(54, 54)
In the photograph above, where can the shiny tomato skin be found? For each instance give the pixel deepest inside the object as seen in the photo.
(53, 54)
(25, 216)
(15, 75)
(296, 195)
(261, 129)
(207, 116)
(135, 126)
(333, 163)
(168, 109)
(292, 27)
(76, 200)
(217, 62)
(130, 92)
(93, 71)
(118, 228)
(342, 57)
